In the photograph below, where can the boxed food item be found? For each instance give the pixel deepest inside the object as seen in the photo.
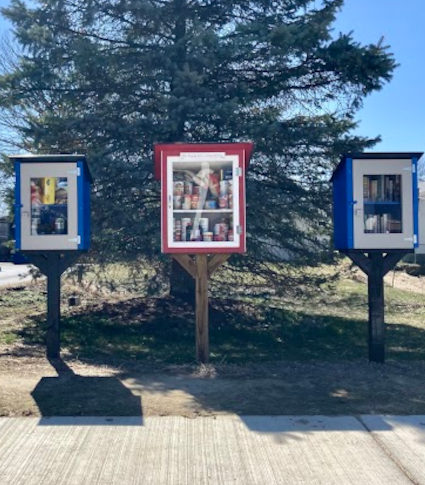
(48, 190)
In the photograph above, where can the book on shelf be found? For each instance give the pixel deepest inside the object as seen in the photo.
(366, 193)
(373, 189)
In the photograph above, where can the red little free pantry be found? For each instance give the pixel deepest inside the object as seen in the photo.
(203, 196)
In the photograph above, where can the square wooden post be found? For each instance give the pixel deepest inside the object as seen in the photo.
(53, 264)
(201, 268)
(202, 331)
(375, 281)
(375, 265)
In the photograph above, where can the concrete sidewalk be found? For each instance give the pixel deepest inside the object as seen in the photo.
(217, 450)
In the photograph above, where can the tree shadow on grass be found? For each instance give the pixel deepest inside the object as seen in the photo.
(162, 331)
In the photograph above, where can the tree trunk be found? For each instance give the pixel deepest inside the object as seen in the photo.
(182, 285)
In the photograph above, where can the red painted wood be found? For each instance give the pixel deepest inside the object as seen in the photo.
(163, 151)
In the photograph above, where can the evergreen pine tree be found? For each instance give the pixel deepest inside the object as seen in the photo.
(112, 77)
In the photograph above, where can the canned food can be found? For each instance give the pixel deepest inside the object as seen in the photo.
(231, 201)
(195, 201)
(186, 221)
(204, 224)
(60, 225)
(211, 204)
(223, 201)
(223, 230)
(178, 188)
(217, 229)
(195, 190)
(224, 187)
(177, 235)
(177, 202)
(188, 188)
(214, 184)
(230, 235)
(208, 236)
(187, 204)
(230, 187)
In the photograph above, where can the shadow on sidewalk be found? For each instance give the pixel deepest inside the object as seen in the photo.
(69, 394)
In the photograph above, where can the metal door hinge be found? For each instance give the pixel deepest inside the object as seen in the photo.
(239, 230)
(409, 169)
(75, 239)
(76, 172)
(415, 239)
(238, 172)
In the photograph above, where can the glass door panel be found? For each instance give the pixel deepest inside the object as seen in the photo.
(382, 204)
(49, 218)
(49, 206)
(204, 202)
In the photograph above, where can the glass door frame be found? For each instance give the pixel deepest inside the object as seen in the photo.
(364, 240)
(36, 170)
(237, 158)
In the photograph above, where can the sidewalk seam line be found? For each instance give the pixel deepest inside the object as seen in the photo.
(387, 452)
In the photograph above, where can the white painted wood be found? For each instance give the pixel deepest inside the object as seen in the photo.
(217, 161)
(403, 240)
(52, 241)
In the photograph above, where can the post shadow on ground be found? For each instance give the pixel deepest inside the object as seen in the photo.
(72, 395)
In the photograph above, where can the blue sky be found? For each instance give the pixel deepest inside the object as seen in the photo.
(397, 112)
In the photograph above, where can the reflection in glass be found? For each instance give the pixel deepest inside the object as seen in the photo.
(382, 204)
(49, 206)
(203, 201)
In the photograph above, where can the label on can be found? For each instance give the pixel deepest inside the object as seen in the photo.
(186, 221)
(224, 187)
(177, 202)
(187, 204)
(178, 188)
(223, 201)
(211, 204)
(204, 224)
(188, 187)
(195, 201)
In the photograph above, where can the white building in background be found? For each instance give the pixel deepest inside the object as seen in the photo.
(421, 248)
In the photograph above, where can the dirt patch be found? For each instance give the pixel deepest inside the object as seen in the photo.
(32, 386)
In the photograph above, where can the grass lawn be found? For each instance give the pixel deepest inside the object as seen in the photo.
(125, 353)
(328, 323)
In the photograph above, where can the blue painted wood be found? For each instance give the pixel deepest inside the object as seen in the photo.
(18, 205)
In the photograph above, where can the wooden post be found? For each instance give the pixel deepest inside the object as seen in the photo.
(53, 264)
(201, 269)
(375, 265)
(375, 281)
(202, 332)
(53, 312)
